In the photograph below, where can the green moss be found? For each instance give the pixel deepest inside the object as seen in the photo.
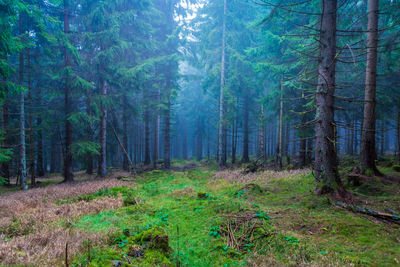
(325, 234)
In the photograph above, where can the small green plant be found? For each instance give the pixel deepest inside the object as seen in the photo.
(240, 193)
(261, 215)
(214, 231)
(369, 172)
(291, 239)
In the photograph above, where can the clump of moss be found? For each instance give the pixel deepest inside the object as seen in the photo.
(154, 238)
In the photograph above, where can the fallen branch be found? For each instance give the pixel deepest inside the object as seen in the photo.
(380, 215)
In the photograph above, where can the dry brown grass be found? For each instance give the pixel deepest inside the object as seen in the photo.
(30, 219)
(185, 192)
(239, 176)
(46, 247)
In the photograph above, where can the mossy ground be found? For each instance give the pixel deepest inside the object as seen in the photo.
(172, 218)
(304, 228)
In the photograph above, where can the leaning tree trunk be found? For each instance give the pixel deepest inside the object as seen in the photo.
(102, 171)
(22, 149)
(367, 146)
(68, 174)
(222, 126)
(326, 172)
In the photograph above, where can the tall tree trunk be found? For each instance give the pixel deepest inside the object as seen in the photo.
(367, 146)
(22, 149)
(167, 120)
(53, 153)
(351, 145)
(326, 172)
(30, 121)
(303, 136)
(102, 170)
(287, 141)
(89, 157)
(68, 174)
(156, 132)
(398, 134)
(246, 129)
(199, 149)
(382, 137)
(355, 136)
(5, 167)
(222, 126)
(147, 160)
(125, 163)
(234, 134)
(261, 134)
(184, 145)
(40, 169)
(280, 145)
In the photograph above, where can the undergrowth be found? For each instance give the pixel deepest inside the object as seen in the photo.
(195, 218)
(200, 218)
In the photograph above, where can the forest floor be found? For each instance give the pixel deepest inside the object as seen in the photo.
(195, 216)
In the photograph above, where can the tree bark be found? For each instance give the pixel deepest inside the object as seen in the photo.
(246, 158)
(234, 134)
(199, 149)
(40, 169)
(303, 137)
(367, 146)
(89, 158)
(287, 141)
(30, 121)
(68, 174)
(261, 134)
(184, 145)
(156, 133)
(325, 168)
(5, 167)
(102, 171)
(147, 160)
(125, 163)
(222, 126)
(398, 134)
(167, 120)
(22, 149)
(280, 145)
(382, 138)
